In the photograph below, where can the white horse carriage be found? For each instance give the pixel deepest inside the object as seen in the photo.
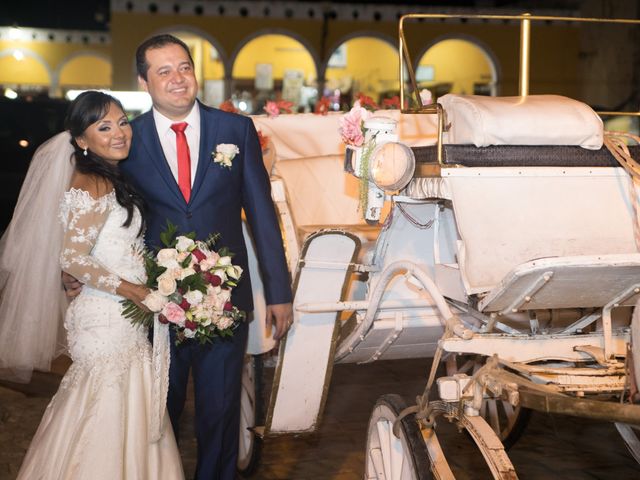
(510, 252)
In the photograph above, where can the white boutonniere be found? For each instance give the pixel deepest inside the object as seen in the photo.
(225, 153)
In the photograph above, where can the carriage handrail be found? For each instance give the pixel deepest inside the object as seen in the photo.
(525, 47)
(525, 43)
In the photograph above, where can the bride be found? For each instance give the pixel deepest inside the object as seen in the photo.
(98, 425)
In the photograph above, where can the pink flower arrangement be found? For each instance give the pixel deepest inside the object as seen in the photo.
(366, 102)
(275, 108)
(191, 288)
(351, 125)
(391, 103)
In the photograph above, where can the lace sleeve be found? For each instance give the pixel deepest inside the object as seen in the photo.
(83, 218)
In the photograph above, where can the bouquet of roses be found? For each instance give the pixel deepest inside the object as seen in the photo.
(190, 288)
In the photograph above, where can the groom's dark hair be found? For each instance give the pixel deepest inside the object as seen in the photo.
(157, 41)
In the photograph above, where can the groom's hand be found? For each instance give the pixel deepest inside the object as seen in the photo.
(279, 316)
(71, 285)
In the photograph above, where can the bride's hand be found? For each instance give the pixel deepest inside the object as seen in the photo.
(134, 292)
(72, 286)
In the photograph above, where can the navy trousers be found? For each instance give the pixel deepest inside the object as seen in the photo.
(217, 375)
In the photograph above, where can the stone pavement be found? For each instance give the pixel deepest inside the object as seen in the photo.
(552, 447)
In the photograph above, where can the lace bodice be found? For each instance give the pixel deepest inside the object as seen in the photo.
(96, 249)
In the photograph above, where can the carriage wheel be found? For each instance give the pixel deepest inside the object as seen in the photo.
(389, 457)
(629, 434)
(507, 421)
(251, 414)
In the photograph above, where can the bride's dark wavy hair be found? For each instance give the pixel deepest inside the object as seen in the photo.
(88, 108)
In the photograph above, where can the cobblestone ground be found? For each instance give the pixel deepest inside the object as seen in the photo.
(552, 447)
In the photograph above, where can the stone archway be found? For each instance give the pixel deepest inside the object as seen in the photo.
(20, 68)
(83, 70)
(460, 64)
(364, 63)
(274, 64)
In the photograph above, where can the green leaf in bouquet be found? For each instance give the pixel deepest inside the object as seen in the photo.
(168, 236)
(137, 315)
(185, 263)
(194, 282)
(225, 252)
(212, 239)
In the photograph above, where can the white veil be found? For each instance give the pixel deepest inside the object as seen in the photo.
(32, 300)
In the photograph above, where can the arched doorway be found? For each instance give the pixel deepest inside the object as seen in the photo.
(273, 66)
(457, 66)
(24, 72)
(364, 64)
(84, 71)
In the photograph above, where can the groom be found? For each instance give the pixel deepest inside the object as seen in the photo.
(171, 165)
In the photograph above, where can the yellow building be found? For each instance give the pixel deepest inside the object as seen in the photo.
(254, 51)
(36, 61)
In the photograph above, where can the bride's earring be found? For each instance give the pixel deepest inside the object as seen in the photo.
(85, 152)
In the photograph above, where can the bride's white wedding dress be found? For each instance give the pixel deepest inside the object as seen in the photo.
(97, 426)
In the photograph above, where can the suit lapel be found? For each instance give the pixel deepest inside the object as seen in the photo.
(151, 143)
(208, 137)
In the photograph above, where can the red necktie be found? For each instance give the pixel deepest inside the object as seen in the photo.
(184, 159)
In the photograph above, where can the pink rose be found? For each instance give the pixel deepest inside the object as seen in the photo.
(351, 125)
(272, 109)
(174, 313)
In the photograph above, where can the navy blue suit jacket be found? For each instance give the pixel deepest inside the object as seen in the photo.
(218, 196)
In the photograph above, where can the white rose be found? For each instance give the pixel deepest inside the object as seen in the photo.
(184, 244)
(228, 149)
(166, 256)
(224, 322)
(189, 333)
(194, 297)
(212, 293)
(234, 271)
(186, 272)
(155, 301)
(224, 261)
(166, 284)
(224, 296)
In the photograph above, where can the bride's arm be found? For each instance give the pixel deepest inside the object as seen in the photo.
(84, 215)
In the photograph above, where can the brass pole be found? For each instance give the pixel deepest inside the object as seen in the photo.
(525, 44)
(401, 52)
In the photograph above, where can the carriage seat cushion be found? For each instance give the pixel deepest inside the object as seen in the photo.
(531, 120)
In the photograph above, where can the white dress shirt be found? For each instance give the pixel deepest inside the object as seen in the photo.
(168, 139)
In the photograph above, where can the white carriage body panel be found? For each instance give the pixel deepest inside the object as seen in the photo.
(508, 216)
